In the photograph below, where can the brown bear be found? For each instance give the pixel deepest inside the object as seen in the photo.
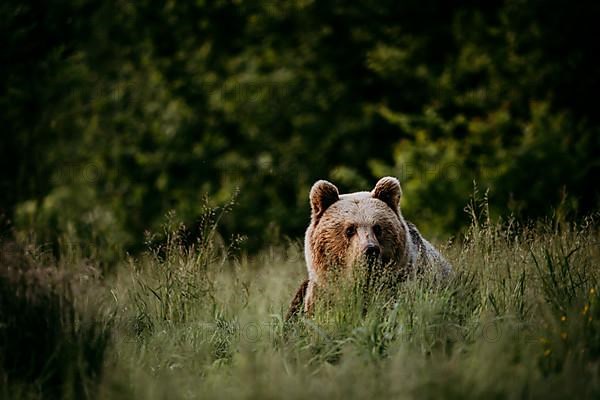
(360, 228)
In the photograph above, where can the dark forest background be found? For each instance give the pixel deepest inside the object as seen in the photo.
(115, 112)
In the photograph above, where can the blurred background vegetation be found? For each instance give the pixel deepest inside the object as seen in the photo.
(115, 112)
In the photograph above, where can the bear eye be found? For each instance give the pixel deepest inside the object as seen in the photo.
(350, 231)
(377, 230)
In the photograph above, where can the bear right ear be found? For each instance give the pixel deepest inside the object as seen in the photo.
(322, 195)
(388, 190)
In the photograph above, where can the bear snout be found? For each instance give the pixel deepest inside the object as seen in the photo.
(371, 251)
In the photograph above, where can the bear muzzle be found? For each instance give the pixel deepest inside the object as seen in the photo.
(371, 252)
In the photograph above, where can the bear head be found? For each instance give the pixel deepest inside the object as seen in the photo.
(356, 229)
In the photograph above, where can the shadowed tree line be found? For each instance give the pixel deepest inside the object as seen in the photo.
(114, 112)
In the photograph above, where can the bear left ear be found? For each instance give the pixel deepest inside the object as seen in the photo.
(388, 190)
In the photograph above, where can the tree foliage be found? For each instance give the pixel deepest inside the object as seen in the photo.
(115, 112)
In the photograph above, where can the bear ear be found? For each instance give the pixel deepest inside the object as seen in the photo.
(388, 190)
(322, 195)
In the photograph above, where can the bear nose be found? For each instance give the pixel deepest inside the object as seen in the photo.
(371, 251)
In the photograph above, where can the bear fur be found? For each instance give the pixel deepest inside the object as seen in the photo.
(362, 227)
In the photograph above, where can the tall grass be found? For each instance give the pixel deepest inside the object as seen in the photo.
(519, 317)
(53, 333)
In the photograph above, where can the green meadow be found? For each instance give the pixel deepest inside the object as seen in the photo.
(518, 318)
